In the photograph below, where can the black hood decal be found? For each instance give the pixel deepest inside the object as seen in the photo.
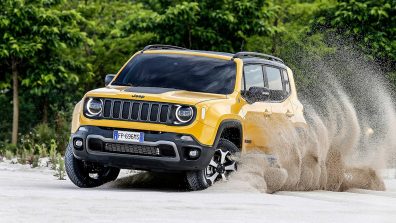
(149, 90)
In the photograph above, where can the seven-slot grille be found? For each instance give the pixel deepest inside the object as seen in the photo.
(136, 110)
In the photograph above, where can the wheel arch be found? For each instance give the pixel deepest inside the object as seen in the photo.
(230, 129)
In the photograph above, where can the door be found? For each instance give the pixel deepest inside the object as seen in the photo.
(278, 83)
(256, 114)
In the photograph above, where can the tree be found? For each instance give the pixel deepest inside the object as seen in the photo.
(291, 38)
(110, 48)
(35, 39)
(369, 24)
(207, 25)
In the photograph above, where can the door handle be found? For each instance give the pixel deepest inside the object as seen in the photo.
(289, 114)
(267, 113)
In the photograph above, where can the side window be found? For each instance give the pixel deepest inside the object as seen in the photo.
(253, 76)
(286, 82)
(275, 84)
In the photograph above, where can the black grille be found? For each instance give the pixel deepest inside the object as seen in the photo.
(154, 113)
(132, 149)
(125, 110)
(136, 110)
(107, 108)
(116, 109)
(164, 113)
(144, 111)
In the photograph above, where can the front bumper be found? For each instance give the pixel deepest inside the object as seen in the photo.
(159, 152)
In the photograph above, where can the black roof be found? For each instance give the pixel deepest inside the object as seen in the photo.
(247, 57)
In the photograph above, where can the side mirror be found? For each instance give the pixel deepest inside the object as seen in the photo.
(109, 78)
(255, 94)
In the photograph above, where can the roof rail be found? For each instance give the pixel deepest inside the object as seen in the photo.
(162, 47)
(254, 54)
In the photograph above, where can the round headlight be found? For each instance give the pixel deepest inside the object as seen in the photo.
(184, 114)
(94, 107)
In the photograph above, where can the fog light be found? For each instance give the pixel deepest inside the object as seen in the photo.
(157, 152)
(78, 143)
(186, 138)
(193, 153)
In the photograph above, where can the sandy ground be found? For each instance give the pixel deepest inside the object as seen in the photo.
(34, 195)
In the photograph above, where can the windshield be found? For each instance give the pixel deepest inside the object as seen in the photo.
(182, 72)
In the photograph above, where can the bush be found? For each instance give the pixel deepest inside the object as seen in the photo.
(41, 141)
(25, 156)
(37, 141)
(53, 154)
(60, 172)
(44, 134)
(7, 148)
(62, 129)
(9, 155)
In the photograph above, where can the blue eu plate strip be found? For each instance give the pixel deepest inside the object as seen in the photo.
(115, 135)
(141, 138)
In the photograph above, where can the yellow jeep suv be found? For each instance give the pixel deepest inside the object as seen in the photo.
(171, 109)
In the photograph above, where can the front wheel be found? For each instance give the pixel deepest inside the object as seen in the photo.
(221, 165)
(87, 174)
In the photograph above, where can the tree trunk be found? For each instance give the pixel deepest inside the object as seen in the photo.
(189, 38)
(15, 102)
(274, 38)
(45, 111)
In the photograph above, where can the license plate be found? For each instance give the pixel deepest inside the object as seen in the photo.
(128, 136)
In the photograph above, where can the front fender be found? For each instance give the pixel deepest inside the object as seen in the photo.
(218, 112)
(76, 116)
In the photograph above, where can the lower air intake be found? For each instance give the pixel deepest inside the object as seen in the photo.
(132, 149)
(143, 150)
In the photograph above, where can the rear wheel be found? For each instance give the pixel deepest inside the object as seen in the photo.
(221, 165)
(87, 174)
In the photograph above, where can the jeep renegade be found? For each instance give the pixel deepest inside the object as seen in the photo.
(171, 109)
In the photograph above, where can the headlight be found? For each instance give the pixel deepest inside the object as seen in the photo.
(184, 114)
(94, 107)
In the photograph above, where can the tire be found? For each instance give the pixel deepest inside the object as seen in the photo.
(200, 179)
(79, 171)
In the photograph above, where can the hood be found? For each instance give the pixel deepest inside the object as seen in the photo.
(154, 94)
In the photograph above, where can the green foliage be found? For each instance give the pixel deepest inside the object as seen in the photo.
(60, 172)
(9, 154)
(37, 139)
(38, 143)
(6, 115)
(43, 133)
(22, 157)
(370, 24)
(38, 36)
(7, 147)
(208, 25)
(292, 40)
(35, 160)
(25, 156)
(109, 48)
(62, 130)
(53, 154)
(65, 48)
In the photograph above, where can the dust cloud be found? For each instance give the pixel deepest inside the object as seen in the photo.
(350, 136)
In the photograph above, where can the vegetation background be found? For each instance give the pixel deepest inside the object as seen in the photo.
(53, 51)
